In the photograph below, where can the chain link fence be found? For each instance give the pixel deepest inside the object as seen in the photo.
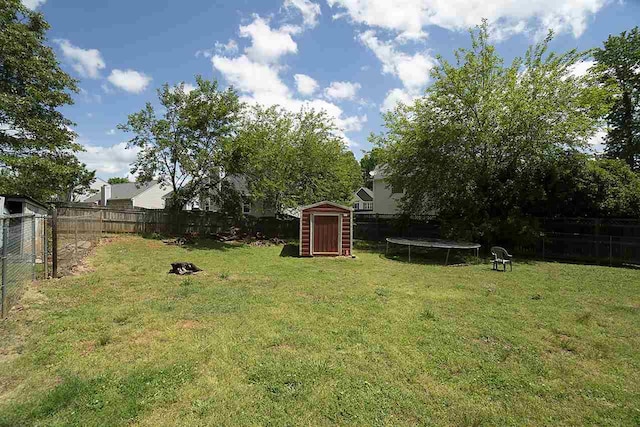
(24, 255)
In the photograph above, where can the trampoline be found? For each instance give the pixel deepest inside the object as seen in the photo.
(433, 243)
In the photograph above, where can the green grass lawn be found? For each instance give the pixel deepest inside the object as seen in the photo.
(263, 339)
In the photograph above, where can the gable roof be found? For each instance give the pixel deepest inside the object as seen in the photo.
(365, 194)
(325, 202)
(125, 191)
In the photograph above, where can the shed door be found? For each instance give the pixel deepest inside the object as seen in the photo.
(325, 234)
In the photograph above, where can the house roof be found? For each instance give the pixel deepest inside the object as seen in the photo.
(125, 191)
(365, 194)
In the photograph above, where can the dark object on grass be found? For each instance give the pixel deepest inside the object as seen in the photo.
(182, 268)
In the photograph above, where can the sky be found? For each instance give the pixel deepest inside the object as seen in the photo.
(353, 58)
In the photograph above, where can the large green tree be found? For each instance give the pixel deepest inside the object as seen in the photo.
(618, 64)
(368, 163)
(292, 159)
(183, 145)
(472, 146)
(36, 143)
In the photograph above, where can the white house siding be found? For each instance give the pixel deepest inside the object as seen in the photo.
(384, 201)
(151, 198)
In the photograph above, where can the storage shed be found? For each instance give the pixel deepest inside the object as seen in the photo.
(326, 229)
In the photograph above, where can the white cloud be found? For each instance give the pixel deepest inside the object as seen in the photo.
(129, 80)
(188, 87)
(86, 62)
(410, 17)
(33, 4)
(306, 85)
(267, 44)
(309, 10)
(90, 98)
(261, 83)
(112, 160)
(111, 132)
(228, 48)
(251, 77)
(342, 90)
(412, 70)
(353, 123)
(394, 97)
(105, 87)
(580, 69)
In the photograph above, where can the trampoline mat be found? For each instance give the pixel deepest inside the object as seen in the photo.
(433, 243)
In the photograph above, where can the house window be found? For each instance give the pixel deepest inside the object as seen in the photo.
(367, 206)
(207, 204)
(356, 206)
(246, 207)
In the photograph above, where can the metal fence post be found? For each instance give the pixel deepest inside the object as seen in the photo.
(610, 249)
(5, 232)
(45, 248)
(54, 243)
(33, 247)
(75, 241)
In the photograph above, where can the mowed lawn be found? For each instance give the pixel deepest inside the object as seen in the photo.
(262, 339)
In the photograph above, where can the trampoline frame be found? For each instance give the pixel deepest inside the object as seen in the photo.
(433, 243)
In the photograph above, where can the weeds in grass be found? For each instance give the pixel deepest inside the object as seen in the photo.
(224, 275)
(584, 318)
(121, 319)
(103, 340)
(382, 292)
(187, 282)
(427, 314)
(567, 344)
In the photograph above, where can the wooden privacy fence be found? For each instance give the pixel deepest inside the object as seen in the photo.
(109, 220)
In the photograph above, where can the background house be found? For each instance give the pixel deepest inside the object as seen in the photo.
(131, 195)
(93, 189)
(256, 208)
(386, 200)
(363, 200)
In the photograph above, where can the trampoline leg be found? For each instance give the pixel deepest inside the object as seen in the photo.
(387, 250)
(446, 261)
(409, 253)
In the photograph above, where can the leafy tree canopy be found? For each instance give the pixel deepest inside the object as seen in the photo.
(117, 180)
(471, 147)
(183, 144)
(368, 163)
(36, 143)
(292, 159)
(618, 65)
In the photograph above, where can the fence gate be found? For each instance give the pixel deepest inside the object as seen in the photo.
(24, 253)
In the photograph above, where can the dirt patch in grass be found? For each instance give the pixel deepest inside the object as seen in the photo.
(189, 324)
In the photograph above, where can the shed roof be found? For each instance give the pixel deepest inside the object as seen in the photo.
(27, 198)
(124, 191)
(326, 202)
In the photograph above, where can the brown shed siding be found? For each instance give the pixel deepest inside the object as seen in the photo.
(306, 240)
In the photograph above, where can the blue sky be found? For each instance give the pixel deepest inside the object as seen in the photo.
(354, 58)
